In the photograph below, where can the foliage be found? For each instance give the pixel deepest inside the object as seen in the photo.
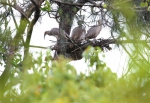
(46, 7)
(57, 81)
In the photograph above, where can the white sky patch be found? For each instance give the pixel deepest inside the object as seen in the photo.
(2, 68)
(16, 89)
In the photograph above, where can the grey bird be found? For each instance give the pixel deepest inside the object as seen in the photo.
(94, 31)
(56, 32)
(78, 33)
(59, 34)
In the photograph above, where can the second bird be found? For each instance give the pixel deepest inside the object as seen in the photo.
(78, 32)
(94, 31)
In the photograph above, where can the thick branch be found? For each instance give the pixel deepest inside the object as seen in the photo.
(31, 25)
(109, 6)
(79, 4)
(30, 28)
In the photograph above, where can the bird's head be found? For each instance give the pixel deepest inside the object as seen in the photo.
(47, 33)
(53, 33)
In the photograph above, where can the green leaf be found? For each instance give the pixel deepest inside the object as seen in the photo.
(46, 7)
(47, 3)
(143, 4)
(104, 6)
(148, 8)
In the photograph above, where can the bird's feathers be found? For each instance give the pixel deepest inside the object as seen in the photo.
(78, 33)
(94, 31)
(56, 32)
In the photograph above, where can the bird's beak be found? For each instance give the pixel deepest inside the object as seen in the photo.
(45, 35)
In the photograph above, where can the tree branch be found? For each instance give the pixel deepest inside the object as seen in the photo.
(75, 51)
(31, 25)
(78, 4)
(15, 6)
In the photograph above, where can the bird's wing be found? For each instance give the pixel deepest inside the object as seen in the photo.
(89, 32)
(73, 35)
(82, 37)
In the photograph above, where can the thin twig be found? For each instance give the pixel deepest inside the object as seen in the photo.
(35, 46)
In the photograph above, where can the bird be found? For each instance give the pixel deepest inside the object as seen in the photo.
(60, 35)
(94, 31)
(78, 32)
(56, 32)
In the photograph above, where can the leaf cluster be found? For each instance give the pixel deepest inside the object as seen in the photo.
(58, 82)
